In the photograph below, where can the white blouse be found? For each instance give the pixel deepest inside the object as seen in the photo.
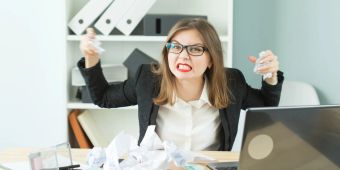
(190, 125)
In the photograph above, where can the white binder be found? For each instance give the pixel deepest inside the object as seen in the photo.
(113, 15)
(92, 130)
(134, 15)
(87, 15)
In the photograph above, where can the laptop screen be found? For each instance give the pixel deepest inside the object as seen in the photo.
(291, 138)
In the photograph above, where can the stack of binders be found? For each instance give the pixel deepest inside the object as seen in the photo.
(92, 129)
(160, 24)
(86, 132)
(78, 137)
(122, 14)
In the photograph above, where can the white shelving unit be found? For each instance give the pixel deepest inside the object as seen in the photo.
(76, 104)
(118, 47)
(133, 38)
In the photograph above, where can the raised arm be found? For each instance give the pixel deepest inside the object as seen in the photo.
(102, 93)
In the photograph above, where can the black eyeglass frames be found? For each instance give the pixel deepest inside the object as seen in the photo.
(177, 48)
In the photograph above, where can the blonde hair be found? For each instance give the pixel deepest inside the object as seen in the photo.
(219, 95)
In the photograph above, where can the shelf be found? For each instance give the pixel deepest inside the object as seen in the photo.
(133, 38)
(118, 47)
(76, 104)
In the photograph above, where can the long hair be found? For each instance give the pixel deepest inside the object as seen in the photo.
(219, 95)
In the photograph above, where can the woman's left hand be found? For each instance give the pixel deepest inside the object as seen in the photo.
(271, 66)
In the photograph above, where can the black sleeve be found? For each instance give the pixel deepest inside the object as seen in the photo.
(103, 94)
(268, 95)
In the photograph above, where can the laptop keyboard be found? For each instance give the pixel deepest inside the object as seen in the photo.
(223, 165)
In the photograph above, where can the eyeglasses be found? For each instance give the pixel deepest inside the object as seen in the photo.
(177, 48)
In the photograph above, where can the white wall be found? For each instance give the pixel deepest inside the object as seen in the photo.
(303, 33)
(32, 71)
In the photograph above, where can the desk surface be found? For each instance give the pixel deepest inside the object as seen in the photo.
(79, 155)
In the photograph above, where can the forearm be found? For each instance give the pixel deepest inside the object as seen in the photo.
(102, 93)
(91, 61)
(94, 79)
(273, 80)
(271, 91)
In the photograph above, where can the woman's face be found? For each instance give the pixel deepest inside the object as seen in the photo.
(185, 65)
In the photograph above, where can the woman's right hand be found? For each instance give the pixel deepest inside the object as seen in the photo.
(87, 48)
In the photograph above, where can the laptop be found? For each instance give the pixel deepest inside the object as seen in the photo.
(294, 138)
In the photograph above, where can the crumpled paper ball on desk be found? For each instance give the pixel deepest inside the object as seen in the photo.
(149, 155)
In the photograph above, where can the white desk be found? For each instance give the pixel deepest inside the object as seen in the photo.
(79, 155)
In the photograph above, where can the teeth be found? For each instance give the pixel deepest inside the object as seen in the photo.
(184, 67)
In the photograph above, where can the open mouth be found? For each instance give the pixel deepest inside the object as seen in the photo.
(183, 67)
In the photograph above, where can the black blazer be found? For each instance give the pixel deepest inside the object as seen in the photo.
(145, 87)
